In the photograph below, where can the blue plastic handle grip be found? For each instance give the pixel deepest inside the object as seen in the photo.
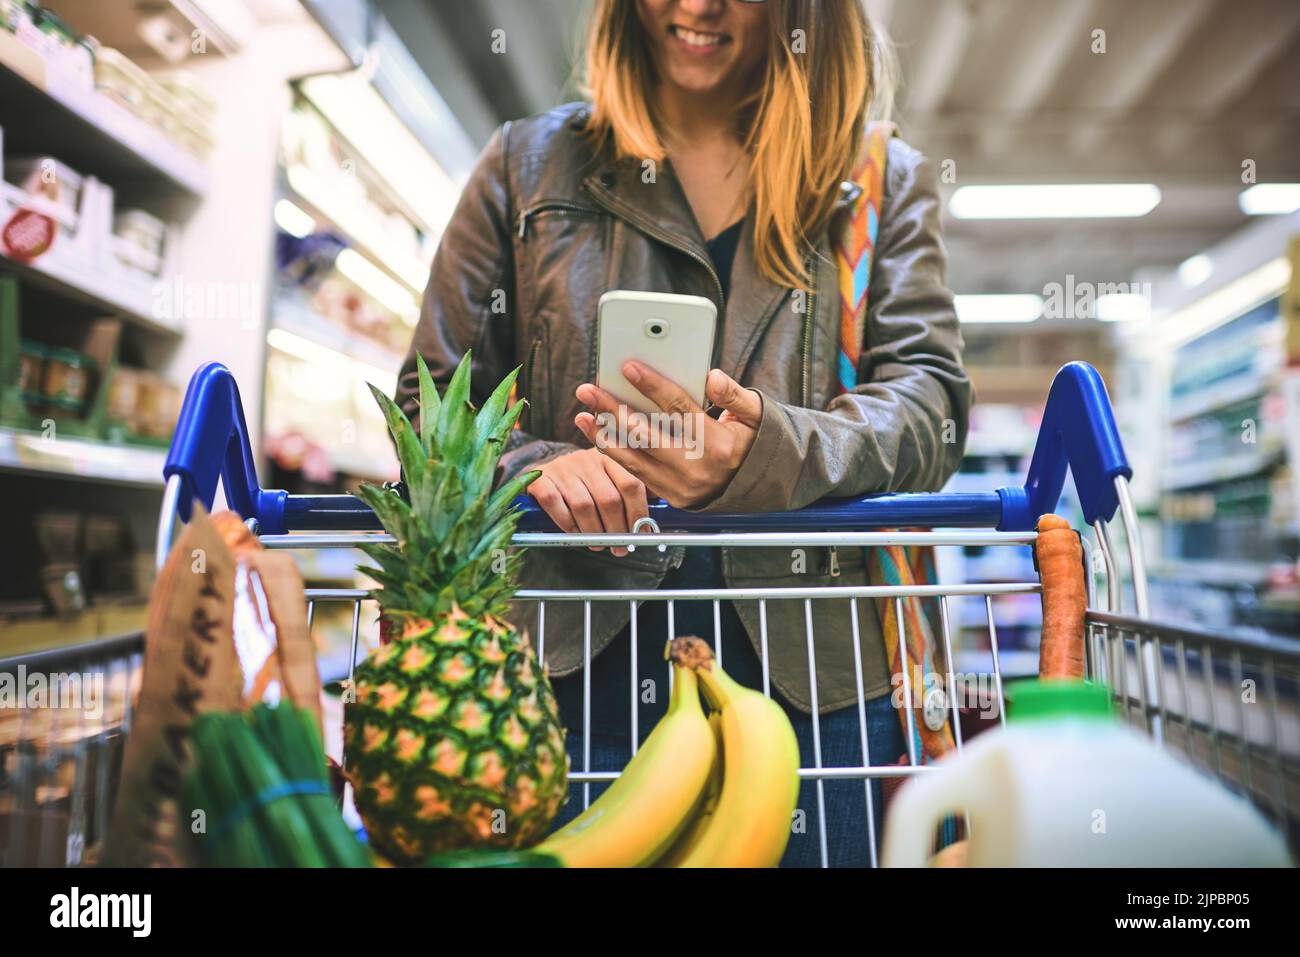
(1078, 432)
(346, 513)
(211, 442)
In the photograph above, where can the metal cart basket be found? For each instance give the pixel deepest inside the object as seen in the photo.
(1227, 703)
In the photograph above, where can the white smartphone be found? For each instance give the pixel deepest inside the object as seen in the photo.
(671, 334)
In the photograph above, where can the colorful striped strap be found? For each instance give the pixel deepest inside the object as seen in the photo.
(914, 673)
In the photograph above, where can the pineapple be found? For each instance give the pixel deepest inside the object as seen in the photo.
(453, 738)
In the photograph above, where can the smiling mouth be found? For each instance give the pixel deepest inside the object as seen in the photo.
(698, 39)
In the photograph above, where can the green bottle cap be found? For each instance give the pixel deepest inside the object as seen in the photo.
(1058, 698)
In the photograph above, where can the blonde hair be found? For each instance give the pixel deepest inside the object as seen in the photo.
(822, 53)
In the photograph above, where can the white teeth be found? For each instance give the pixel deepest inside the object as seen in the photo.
(698, 39)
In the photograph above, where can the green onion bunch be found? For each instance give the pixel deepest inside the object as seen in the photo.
(259, 778)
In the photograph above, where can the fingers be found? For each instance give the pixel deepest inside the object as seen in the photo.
(631, 489)
(639, 463)
(547, 494)
(663, 392)
(743, 404)
(609, 502)
(584, 492)
(581, 504)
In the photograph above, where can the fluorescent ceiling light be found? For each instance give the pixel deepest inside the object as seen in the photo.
(325, 359)
(1195, 270)
(364, 118)
(1123, 307)
(377, 283)
(293, 220)
(1014, 307)
(1228, 302)
(1270, 199)
(1070, 201)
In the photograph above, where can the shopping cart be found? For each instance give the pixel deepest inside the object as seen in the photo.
(1228, 703)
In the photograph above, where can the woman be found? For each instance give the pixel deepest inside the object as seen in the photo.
(712, 161)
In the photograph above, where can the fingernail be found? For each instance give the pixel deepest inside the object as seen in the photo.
(631, 372)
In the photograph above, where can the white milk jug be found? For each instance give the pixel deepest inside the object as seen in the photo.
(1067, 784)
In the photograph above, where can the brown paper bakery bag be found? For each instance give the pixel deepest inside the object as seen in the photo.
(190, 668)
(276, 574)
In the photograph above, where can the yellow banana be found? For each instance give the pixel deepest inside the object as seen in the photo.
(760, 770)
(699, 824)
(646, 808)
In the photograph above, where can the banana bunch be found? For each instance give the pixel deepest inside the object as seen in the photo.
(715, 791)
(640, 815)
(750, 821)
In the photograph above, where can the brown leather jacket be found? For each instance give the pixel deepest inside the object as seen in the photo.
(547, 224)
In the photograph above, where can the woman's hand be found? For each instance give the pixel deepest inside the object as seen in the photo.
(585, 492)
(689, 458)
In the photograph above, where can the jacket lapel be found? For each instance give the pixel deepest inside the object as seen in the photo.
(756, 301)
(661, 210)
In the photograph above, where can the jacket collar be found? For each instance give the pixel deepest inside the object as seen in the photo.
(662, 210)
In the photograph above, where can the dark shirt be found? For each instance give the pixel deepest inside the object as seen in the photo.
(722, 250)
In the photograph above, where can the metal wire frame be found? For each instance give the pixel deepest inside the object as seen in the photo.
(1229, 704)
(814, 770)
(1144, 662)
(59, 765)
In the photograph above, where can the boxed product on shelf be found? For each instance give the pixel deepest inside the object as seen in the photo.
(46, 177)
(10, 11)
(140, 405)
(175, 105)
(158, 406)
(31, 372)
(138, 239)
(120, 79)
(191, 92)
(66, 385)
(56, 43)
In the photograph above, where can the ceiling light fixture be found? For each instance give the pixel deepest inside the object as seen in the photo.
(1123, 307)
(1068, 201)
(999, 307)
(1270, 199)
(1195, 270)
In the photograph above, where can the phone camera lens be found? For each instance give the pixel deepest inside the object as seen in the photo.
(656, 330)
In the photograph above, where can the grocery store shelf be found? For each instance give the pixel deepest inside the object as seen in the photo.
(97, 623)
(1218, 397)
(292, 315)
(1212, 572)
(1194, 474)
(318, 200)
(125, 299)
(30, 453)
(88, 131)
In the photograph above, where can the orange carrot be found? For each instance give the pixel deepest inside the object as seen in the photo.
(1060, 567)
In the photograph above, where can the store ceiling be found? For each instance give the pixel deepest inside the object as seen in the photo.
(1011, 91)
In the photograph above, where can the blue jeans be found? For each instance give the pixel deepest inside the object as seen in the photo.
(611, 727)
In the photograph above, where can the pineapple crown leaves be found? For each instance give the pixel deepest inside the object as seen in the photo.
(453, 530)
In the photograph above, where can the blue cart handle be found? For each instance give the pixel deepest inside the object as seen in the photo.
(211, 441)
(1078, 432)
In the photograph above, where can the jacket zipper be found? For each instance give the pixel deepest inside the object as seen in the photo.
(531, 380)
(667, 239)
(835, 563)
(809, 319)
(555, 207)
